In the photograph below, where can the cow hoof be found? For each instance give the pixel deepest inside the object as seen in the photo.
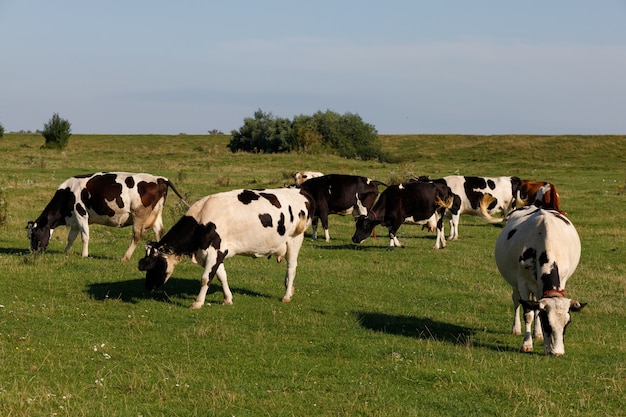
(196, 305)
(526, 349)
(390, 248)
(227, 303)
(286, 300)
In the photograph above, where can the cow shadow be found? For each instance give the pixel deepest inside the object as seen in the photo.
(176, 291)
(425, 329)
(15, 251)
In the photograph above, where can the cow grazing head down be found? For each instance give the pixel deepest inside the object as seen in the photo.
(254, 223)
(536, 253)
(554, 315)
(116, 199)
(158, 264)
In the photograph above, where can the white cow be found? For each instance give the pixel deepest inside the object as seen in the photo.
(301, 176)
(536, 252)
(480, 196)
(251, 223)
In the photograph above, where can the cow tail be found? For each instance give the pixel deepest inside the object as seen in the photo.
(169, 184)
(303, 223)
(447, 203)
(484, 203)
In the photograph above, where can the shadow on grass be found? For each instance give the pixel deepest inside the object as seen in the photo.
(176, 291)
(426, 329)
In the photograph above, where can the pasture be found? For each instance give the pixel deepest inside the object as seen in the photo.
(413, 332)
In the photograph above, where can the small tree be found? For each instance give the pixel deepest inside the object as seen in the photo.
(57, 132)
(1, 130)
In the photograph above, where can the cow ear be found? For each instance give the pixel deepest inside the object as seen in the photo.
(575, 306)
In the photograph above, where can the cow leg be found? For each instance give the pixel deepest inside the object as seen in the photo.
(454, 227)
(71, 237)
(517, 325)
(213, 266)
(293, 248)
(138, 230)
(527, 344)
(440, 240)
(314, 228)
(538, 335)
(324, 219)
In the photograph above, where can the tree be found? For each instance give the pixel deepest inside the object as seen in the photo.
(1, 130)
(346, 135)
(57, 132)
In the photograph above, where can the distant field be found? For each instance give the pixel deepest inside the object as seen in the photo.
(413, 332)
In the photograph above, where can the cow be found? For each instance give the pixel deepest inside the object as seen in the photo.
(244, 222)
(301, 176)
(115, 199)
(536, 252)
(412, 202)
(482, 197)
(549, 197)
(340, 194)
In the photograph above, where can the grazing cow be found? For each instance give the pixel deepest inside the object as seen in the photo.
(536, 252)
(300, 177)
(340, 194)
(115, 199)
(251, 223)
(412, 202)
(481, 196)
(541, 194)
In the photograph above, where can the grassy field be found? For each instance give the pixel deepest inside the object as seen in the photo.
(413, 332)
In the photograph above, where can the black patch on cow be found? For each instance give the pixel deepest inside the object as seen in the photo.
(187, 236)
(151, 192)
(247, 196)
(511, 233)
(156, 271)
(291, 218)
(272, 199)
(529, 253)
(220, 259)
(83, 176)
(491, 184)
(471, 184)
(281, 225)
(98, 190)
(266, 219)
(81, 210)
(551, 280)
(543, 258)
(130, 182)
(493, 204)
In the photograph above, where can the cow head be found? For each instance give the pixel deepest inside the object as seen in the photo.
(38, 236)
(158, 264)
(364, 228)
(554, 313)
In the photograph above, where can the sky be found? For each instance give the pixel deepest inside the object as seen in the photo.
(406, 67)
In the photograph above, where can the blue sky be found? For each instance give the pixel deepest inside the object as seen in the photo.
(472, 67)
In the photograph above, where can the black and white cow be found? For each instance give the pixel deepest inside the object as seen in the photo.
(481, 196)
(536, 253)
(412, 202)
(115, 199)
(340, 194)
(251, 223)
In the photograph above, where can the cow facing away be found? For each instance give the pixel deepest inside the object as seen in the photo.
(116, 199)
(302, 176)
(340, 194)
(412, 202)
(251, 223)
(482, 197)
(536, 252)
(541, 194)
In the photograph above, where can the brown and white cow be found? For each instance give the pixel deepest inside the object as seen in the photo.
(412, 202)
(301, 176)
(541, 194)
(115, 199)
(340, 194)
(482, 197)
(536, 252)
(251, 223)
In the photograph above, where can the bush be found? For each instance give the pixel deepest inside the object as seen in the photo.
(346, 135)
(1, 131)
(57, 132)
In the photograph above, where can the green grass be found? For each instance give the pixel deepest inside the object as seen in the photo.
(368, 332)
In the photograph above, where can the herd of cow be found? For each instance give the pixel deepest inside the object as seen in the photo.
(536, 252)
